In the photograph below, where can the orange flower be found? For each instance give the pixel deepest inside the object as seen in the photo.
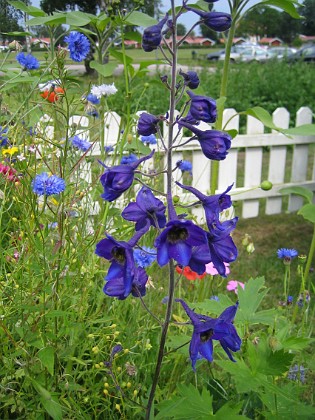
(52, 95)
(188, 273)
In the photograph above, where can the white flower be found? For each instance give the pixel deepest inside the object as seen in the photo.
(103, 90)
(21, 157)
(49, 85)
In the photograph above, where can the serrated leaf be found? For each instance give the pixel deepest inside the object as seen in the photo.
(105, 70)
(30, 10)
(276, 363)
(230, 413)
(139, 19)
(296, 343)
(308, 212)
(250, 299)
(301, 191)
(187, 405)
(47, 357)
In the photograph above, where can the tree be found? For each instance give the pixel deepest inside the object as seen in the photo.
(261, 21)
(9, 20)
(308, 12)
(181, 29)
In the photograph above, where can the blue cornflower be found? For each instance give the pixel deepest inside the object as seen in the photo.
(286, 254)
(146, 209)
(207, 329)
(184, 166)
(79, 143)
(3, 136)
(79, 45)
(28, 62)
(290, 300)
(43, 184)
(214, 297)
(91, 111)
(93, 99)
(127, 160)
(151, 139)
(144, 257)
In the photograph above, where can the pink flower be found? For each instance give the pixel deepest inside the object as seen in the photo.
(232, 285)
(210, 269)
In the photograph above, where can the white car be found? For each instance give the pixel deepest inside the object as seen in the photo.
(4, 48)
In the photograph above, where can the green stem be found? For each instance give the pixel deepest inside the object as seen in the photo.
(309, 260)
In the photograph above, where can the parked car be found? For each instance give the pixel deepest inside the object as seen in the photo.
(306, 54)
(220, 55)
(246, 53)
(280, 52)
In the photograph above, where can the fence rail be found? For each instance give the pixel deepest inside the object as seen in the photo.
(253, 157)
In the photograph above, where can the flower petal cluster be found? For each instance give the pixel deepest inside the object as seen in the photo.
(233, 285)
(3, 136)
(189, 273)
(53, 95)
(144, 256)
(177, 240)
(93, 99)
(28, 62)
(202, 108)
(79, 45)
(127, 160)
(152, 36)
(207, 329)
(147, 124)
(287, 255)
(116, 288)
(80, 143)
(213, 205)
(8, 173)
(210, 269)
(217, 21)
(151, 139)
(214, 144)
(103, 90)
(43, 184)
(184, 166)
(146, 209)
(118, 179)
(191, 79)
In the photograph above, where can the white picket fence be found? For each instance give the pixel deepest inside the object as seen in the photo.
(284, 161)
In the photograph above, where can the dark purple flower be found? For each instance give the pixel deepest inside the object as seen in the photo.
(202, 108)
(191, 79)
(147, 124)
(207, 329)
(184, 166)
(214, 144)
(122, 268)
(146, 209)
(213, 204)
(115, 287)
(152, 36)
(177, 240)
(200, 256)
(218, 21)
(221, 246)
(118, 179)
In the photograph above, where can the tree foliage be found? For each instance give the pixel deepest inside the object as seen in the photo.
(9, 19)
(308, 12)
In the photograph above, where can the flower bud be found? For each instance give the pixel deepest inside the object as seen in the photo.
(152, 36)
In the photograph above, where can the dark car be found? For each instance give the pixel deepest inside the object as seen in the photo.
(215, 55)
(306, 54)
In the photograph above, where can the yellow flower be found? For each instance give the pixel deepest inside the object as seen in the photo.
(10, 151)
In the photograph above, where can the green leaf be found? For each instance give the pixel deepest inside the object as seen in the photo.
(138, 146)
(77, 18)
(139, 19)
(52, 407)
(105, 70)
(17, 33)
(301, 191)
(250, 299)
(297, 343)
(47, 357)
(54, 19)
(102, 21)
(233, 133)
(134, 36)
(230, 413)
(122, 58)
(286, 5)
(308, 212)
(276, 363)
(189, 404)
(301, 130)
(262, 115)
(30, 10)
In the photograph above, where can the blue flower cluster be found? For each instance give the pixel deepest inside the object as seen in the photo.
(3, 136)
(79, 45)
(43, 184)
(80, 143)
(28, 62)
